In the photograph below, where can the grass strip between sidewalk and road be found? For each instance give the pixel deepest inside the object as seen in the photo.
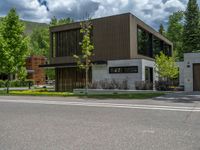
(140, 95)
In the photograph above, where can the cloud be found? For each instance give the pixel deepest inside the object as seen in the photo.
(152, 12)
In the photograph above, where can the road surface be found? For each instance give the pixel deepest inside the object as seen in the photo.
(44, 123)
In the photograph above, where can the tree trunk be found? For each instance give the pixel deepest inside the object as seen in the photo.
(86, 77)
(8, 84)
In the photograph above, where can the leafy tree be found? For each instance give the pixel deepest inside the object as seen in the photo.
(84, 61)
(162, 29)
(13, 46)
(166, 67)
(39, 42)
(175, 33)
(55, 21)
(191, 32)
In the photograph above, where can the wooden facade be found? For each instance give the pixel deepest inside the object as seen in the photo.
(114, 38)
(69, 78)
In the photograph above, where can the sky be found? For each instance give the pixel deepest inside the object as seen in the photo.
(153, 12)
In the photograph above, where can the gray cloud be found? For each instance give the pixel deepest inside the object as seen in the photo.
(152, 12)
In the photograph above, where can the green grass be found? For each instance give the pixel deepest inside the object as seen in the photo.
(127, 96)
(96, 96)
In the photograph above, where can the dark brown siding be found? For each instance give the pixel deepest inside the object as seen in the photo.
(196, 77)
(69, 78)
(111, 38)
(110, 35)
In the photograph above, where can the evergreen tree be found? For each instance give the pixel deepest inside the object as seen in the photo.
(13, 46)
(191, 32)
(175, 32)
(162, 29)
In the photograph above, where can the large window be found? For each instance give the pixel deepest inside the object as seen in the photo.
(124, 69)
(144, 42)
(149, 45)
(66, 43)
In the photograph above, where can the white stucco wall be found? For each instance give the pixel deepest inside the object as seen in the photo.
(101, 72)
(189, 60)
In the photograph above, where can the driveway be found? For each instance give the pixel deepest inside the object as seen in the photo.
(181, 97)
(40, 123)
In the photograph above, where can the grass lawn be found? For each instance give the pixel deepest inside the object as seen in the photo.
(97, 96)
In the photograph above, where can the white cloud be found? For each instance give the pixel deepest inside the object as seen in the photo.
(152, 12)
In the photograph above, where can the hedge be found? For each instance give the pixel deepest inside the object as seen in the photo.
(17, 83)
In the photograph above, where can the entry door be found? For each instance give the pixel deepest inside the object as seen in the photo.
(149, 74)
(196, 77)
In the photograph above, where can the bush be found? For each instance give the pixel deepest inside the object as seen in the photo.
(143, 85)
(166, 85)
(2, 84)
(106, 84)
(18, 83)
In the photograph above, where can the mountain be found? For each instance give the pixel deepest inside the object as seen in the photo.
(30, 26)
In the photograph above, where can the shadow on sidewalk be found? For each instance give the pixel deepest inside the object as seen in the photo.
(180, 97)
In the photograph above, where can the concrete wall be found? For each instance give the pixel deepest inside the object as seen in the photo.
(189, 60)
(101, 72)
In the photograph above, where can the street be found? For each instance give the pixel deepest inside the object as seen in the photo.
(40, 123)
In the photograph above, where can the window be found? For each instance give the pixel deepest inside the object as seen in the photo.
(66, 43)
(124, 69)
(149, 45)
(144, 42)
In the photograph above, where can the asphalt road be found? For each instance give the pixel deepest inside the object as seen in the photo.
(38, 123)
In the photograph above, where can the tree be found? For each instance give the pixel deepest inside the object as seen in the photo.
(39, 42)
(162, 29)
(175, 33)
(55, 21)
(166, 67)
(191, 32)
(87, 47)
(13, 46)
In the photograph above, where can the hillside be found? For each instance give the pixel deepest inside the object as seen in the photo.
(30, 26)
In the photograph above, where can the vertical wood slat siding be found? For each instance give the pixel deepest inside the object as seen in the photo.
(69, 78)
(111, 38)
(110, 35)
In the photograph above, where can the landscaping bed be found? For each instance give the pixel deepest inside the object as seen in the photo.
(135, 95)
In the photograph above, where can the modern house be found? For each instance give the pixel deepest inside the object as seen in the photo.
(189, 75)
(125, 48)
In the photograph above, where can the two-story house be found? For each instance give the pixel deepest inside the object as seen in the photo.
(125, 48)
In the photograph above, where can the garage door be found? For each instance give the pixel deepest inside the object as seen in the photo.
(196, 77)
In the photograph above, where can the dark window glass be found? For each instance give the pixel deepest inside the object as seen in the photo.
(149, 45)
(156, 46)
(124, 69)
(144, 42)
(149, 74)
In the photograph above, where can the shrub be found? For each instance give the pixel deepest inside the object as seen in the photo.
(106, 84)
(143, 85)
(166, 85)
(18, 83)
(2, 84)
